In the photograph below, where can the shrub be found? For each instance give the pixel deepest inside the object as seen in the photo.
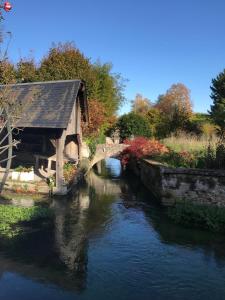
(12, 216)
(92, 142)
(140, 147)
(69, 171)
(183, 159)
(23, 169)
(200, 216)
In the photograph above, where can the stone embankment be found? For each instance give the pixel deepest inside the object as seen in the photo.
(199, 186)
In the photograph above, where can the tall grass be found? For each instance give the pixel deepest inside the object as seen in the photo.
(191, 143)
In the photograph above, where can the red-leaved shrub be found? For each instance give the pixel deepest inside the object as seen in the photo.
(140, 147)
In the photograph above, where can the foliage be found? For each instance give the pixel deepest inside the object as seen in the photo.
(69, 170)
(182, 159)
(158, 123)
(199, 216)
(141, 105)
(12, 216)
(109, 88)
(176, 105)
(7, 72)
(133, 124)
(97, 119)
(23, 169)
(201, 124)
(92, 142)
(140, 147)
(176, 100)
(214, 158)
(217, 111)
(65, 61)
(208, 156)
(26, 71)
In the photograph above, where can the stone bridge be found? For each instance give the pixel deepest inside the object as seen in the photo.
(104, 151)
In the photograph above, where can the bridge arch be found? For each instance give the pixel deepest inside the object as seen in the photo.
(104, 151)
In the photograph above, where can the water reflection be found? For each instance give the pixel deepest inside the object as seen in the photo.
(111, 226)
(70, 232)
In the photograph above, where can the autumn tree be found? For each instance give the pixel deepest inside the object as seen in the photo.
(7, 72)
(26, 71)
(141, 105)
(65, 61)
(176, 105)
(217, 111)
(97, 119)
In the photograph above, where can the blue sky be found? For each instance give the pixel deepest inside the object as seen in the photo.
(152, 43)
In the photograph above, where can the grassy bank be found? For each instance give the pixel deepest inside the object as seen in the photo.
(190, 143)
(198, 216)
(11, 218)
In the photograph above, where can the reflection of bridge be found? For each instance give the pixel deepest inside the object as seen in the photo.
(103, 186)
(104, 151)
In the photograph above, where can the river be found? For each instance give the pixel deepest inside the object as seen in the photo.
(112, 241)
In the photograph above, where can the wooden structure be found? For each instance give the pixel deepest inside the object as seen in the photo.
(49, 125)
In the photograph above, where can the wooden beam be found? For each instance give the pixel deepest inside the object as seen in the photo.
(60, 144)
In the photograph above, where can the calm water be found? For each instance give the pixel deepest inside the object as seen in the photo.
(111, 241)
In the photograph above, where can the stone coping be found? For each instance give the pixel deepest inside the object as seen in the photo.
(164, 169)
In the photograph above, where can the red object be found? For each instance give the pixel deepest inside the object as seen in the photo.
(7, 6)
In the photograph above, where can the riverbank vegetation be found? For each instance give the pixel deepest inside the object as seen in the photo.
(208, 157)
(199, 216)
(191, 140)
(12, 218)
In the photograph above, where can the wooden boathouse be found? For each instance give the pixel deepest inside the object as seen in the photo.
(49, 126)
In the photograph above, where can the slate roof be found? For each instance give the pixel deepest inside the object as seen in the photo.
(45, 104)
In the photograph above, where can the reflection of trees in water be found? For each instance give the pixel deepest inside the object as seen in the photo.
(134, 194)
(212, 245)
(61, 256)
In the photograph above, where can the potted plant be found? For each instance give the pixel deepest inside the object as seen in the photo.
(23, 174)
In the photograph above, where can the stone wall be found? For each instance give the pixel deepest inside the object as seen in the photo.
(173, 184)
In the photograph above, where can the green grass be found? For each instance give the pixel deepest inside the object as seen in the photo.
(11, 218)
(198, 216)
(8, 195)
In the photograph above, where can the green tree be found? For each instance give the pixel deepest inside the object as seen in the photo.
(109, 87)
(156, 121)
(217, 111)
(133, 124)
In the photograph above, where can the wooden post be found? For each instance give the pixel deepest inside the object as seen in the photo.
(60, 144)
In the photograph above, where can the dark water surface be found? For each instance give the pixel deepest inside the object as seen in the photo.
(112, 241)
